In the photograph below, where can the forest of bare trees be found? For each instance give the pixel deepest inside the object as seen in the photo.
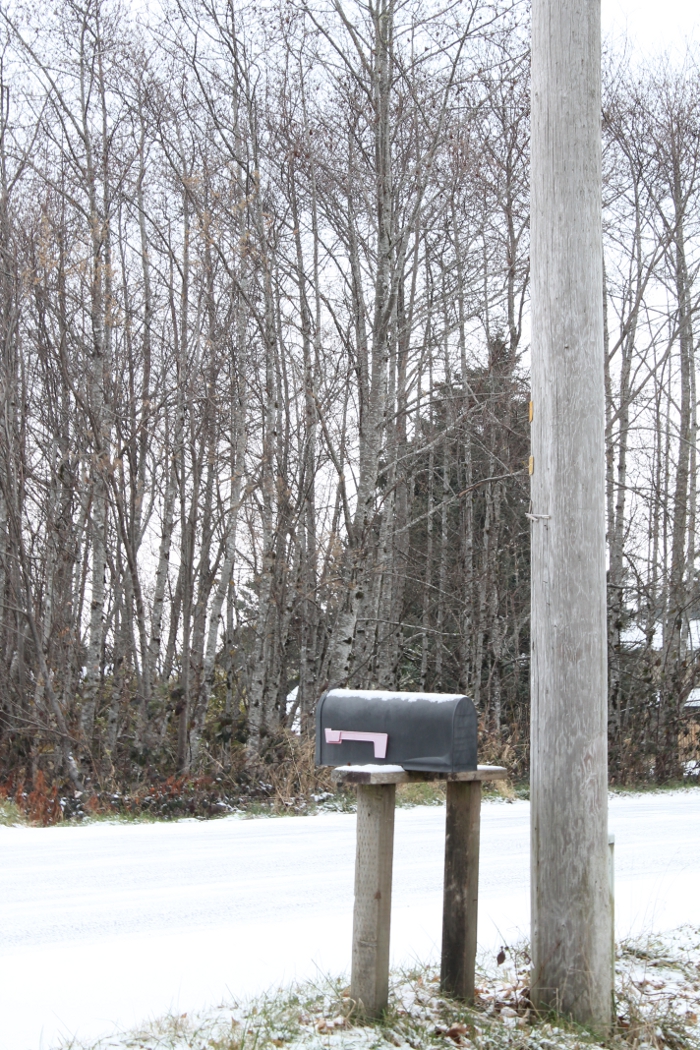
(264, 380)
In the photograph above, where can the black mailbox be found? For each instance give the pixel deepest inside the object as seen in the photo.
(435, 732)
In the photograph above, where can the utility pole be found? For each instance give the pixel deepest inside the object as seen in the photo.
(571, 915)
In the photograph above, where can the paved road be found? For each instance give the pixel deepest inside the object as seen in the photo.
(106, 925)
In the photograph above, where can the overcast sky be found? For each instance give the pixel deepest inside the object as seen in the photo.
(652, 25)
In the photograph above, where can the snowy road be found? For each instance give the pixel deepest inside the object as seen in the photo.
(107, 925)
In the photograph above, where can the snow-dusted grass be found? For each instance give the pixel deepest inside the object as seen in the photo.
(165, 803)
(431, 793)
(341, 801)
(9, 814)
(650, 787)
(658, 980)
(657, 1001)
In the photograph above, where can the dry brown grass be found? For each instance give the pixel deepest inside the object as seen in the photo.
(296, 779)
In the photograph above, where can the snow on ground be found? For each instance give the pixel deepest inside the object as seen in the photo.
(110, 924)
(656, 1007)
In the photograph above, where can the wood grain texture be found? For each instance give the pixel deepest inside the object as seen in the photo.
(369, 983)
(343, 775)
(570, 893)
(461, 892)
(611, 884)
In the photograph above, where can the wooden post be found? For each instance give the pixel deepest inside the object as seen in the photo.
(461, 892)
(369, 985)
(569, 797)
(611, 880)
(376, 797)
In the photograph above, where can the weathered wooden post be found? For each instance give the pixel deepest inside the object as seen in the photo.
(570, 892)
(611, 881)
(461, 891)
(376, 793)
(369, 985)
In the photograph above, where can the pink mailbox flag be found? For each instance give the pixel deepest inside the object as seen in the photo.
(380, 740)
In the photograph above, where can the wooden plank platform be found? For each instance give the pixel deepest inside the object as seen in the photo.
(355, 775)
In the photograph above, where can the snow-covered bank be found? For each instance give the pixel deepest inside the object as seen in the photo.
(108, 925)
(656, 1006)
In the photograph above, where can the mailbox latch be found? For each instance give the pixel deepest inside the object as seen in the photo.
(380, 740)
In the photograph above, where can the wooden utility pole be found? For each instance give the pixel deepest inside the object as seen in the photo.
(571, 915)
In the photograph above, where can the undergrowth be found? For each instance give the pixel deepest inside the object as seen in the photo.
(178, 798)
(657, 1002)
(285, 780)
(9, 814)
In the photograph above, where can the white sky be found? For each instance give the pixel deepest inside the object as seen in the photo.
(649, 25)
(653, 25)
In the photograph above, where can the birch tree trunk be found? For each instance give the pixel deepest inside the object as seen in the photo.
(99, 362)
(570, 895)
(308, 571)
(674, 688)
(238, 394)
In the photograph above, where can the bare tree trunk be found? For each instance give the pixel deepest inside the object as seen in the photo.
(442, 597)
(259, 712)
(308, 691)
(101, 310)
(467, 563)
(188, 515)
(428, 580)
(675, 681)
(225, 586)
(374, 366)
(617, 486)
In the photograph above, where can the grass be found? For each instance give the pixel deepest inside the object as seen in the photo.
(651, 788)
(432, 793)
(284, 797)
(10, 814)
(341, 801)
(429, 793)
(657, 1002)
(658, 997)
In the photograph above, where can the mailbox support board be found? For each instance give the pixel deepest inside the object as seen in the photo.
(376, 795)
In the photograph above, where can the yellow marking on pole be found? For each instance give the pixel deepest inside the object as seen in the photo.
(531, 465)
